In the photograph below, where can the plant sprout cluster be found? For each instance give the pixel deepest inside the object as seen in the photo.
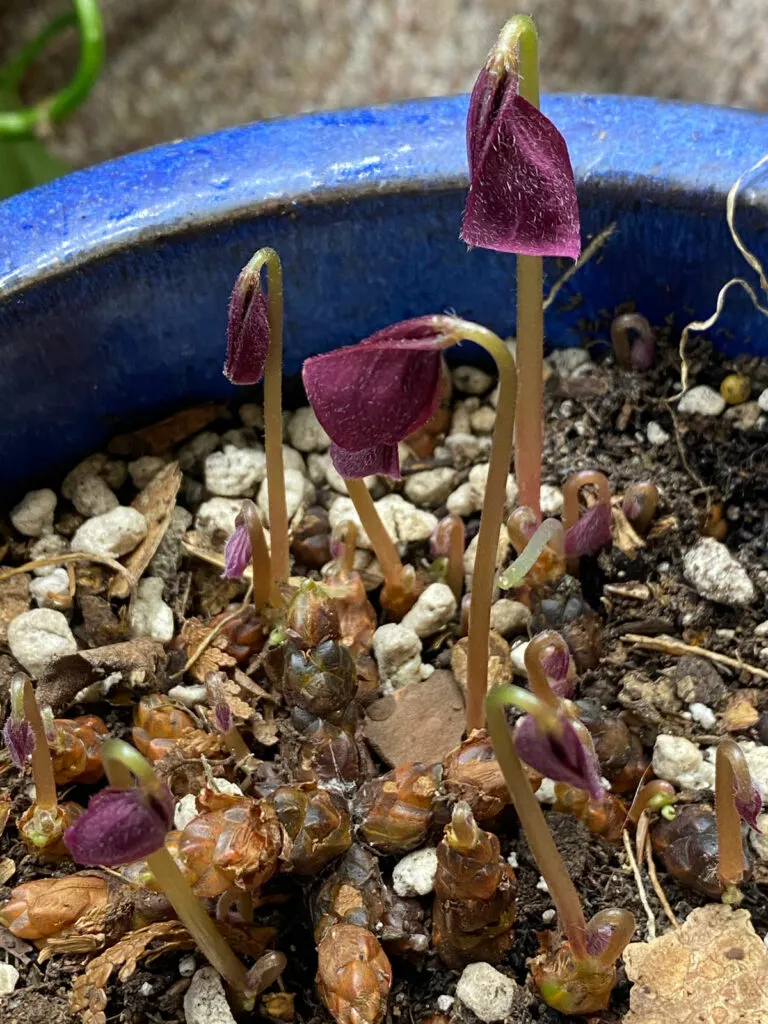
(370, 397)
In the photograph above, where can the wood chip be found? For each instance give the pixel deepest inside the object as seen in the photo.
(159, 438)
(740, 712)
(14, 600)
(156, 503)
(7, 869)
(668, 645)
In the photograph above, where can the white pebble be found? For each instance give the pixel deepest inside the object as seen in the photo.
(517, 657)
(9, 977)
(566, 361)
(205, 1001)
(656, 434)
(715, 574)
(471, 380)
(470, 554)
(235, 472)
(434, 609)
(478, 478)
(216, 517)
(37, 637)
(92, 496)
(189, 695)
(509, 617)
(757, 760)
(702, 400)
(548, 916)
(33, 516)
(52, 591)
(114, 534)
(444, 1003)
(681, 762)
(45, 547)
(252, 415)
(462, 501)
(187, 964)
(464, 449)
(431, 486)
(411, 524)
(488, 993)
(702, 714)
(150, 615)
(94, 465)
(759, 840)
(761, 629)
(143, 469)
(414, 875)
(294, 460)
(184, 811)
(397, 650)
(512, 859)
(541, 885)
(305, 432)
(482, 421)
(298, 490)
(545, 794)
(762, 400)
(146, 989)
(551, 499)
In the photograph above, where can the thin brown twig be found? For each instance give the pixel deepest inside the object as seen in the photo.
(214, 633)
(657, 887)
(668, 645)
(597, 243)
(681, 452)
(70, 556)
(640, 886)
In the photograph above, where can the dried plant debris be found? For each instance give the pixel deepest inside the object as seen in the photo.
(713, 968)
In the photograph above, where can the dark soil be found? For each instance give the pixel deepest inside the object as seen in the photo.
(597, 420)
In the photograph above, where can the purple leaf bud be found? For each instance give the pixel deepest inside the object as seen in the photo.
(556, 663)
(237, 551)
(562, 758)
(372, 395)
(247, 329)
(222, 716)
(598, 939)
(19, 740)
(590, 533)
(120, 826)
(749, 803)
(522, 194)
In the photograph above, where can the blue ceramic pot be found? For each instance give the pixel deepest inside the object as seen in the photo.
(114, 280)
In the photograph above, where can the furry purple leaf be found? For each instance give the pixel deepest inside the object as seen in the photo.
(591, 533)
(120, 826)
(247, 330)
(19, 740)
(237, 551)
(562, 758)
(749, 803)
(372, 395)
(522, 193)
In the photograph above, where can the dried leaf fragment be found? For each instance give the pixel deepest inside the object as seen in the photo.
(714, 968)
(159, 438)
(14, 600)
(156, 503)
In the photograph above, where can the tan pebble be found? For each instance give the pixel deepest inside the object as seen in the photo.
(736, 388)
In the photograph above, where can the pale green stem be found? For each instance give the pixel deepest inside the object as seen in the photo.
(543, 848)
(548, 531)
(273, 412)
(370, 520)
(123, 764)
(518, 48)
(492, 515)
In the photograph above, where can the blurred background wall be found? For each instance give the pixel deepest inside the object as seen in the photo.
(182, 67)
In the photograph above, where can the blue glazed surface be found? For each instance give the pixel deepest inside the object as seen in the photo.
(114, 280)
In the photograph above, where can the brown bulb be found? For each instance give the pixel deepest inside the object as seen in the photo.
(316, 823)
(328, 752)
(76, 749)
(471, 772)
(312, 617)
(49, 907)
(474, 894)
(320, 681)
(353, 975)
(396, 810)
(311, 539)
(687, 846)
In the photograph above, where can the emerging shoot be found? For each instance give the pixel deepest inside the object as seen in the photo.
(255, 350)
(634, 343)
(737, 799)
(578, 977)
(639, 505)
(522, 199)
(370, 396)
(248, 544)
(447, 542)
(540, 549)
(550, 669)
(128, 821)
(585, 534)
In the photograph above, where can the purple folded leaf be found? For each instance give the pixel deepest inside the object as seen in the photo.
(372, 395)
(237, 551)
(643, 353)
(749, 803)
(598, 939)
(380, 459)
(19, 740)
(557, 665)
(591, 533)
(562, 758)
(522, 194)
(222, 716)
(247, 330)
(120, 825)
